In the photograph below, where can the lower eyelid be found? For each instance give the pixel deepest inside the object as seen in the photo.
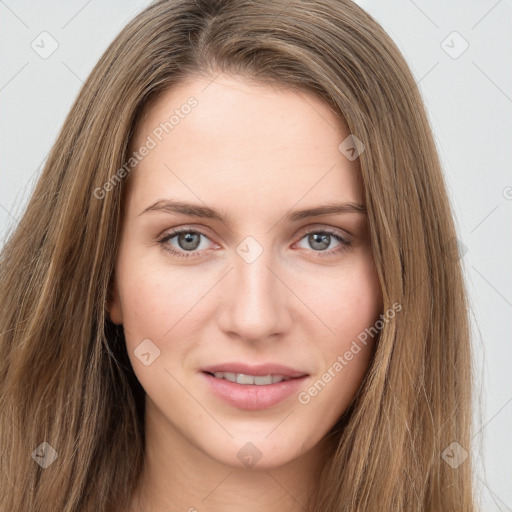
(344, 242)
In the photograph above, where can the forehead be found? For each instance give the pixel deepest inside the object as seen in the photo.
(231, 137)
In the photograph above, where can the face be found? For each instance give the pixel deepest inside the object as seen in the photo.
(219, 278)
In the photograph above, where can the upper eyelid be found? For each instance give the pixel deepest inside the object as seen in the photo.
(343, 234)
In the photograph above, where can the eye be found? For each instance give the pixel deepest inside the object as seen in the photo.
(185, 242)
(188, 242)
(321, 239)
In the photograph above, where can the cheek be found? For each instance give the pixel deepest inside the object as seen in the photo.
(147, 306)
(350, 303)
(350, 309)
(166, 306)
(155, 299)
(157, 307)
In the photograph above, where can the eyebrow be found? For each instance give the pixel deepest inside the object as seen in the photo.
(193, 210)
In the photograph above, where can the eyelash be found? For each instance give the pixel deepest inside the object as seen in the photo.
(345, 242)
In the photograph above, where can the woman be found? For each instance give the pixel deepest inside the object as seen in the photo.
(235, 284)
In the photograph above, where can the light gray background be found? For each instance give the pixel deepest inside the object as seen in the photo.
(469, 100)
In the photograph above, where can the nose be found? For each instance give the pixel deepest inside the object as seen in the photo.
(255, 302)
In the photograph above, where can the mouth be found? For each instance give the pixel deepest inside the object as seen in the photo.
(253, 387)
(244, 379)
(259, 375)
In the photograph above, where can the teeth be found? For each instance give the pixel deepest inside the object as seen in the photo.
(258, 380)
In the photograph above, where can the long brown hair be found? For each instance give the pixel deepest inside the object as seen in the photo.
(65, 377)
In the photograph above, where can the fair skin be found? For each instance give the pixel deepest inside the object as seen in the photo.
(253, 153)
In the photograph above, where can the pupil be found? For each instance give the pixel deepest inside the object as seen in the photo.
(191, 240)
(323, 240)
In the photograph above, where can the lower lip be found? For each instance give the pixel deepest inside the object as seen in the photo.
(250, 396)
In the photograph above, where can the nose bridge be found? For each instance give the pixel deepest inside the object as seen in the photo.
(254, 281)
(257, 304)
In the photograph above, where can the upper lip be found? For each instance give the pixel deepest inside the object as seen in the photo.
(256, 370)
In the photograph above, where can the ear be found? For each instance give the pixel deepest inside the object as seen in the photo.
(114, 308)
